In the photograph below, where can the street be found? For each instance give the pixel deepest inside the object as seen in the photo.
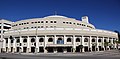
(87, 55)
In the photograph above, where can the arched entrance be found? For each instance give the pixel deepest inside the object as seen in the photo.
(50, 49)
(60, 41)
(93, 48)
(59, 49)
(32, 49)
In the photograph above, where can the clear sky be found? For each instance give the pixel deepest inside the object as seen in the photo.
(104, 14)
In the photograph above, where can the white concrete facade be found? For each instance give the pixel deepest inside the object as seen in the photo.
(54, 34)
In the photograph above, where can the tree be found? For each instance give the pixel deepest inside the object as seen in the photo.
(118, 42)
(106, 44)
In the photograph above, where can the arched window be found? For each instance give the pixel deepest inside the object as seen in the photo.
(41, 40)
(86, 40)
(59, 38)
(60, 41)
(99, 40)
(50, 40)
(33, 40)
(18, 40)
(93, 40)
(105, 40)
(77, 39)
(68, 39)
(25, 40)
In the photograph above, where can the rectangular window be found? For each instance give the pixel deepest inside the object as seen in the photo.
(55, 22)
(41, 21)
(41, 26)
(35, 22)
(27, 27)
(38, 21)
(27, 22)
(32, 22)
(46, 21)
(19, 24)
(38, 26)
(51, 21)
(24, 23)
(82, 25)
(51, 26)
(67, 22)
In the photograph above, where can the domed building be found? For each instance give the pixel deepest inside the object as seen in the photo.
(54, 34)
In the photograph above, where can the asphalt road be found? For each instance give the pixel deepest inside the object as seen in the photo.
(91, 55)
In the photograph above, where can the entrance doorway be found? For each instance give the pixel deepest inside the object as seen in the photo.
(18, 49)
(50, 49)
(69, 49)
(24, 49)
(86, 49)
(93, 48)
(6, 49)
(32, 49)
(77, 49)
(100, 48)
(59, 49)
(11, 49)
(41, 49)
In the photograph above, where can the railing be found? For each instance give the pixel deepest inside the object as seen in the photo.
(60, 41)
(68, 29)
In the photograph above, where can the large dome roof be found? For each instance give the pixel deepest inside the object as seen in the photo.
(56, 16)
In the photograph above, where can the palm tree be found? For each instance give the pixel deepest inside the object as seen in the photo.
(106, 44)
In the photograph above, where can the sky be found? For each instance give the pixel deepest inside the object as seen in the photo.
(103, 14)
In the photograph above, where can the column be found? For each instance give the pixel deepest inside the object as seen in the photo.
(9, 45)
(65, 39)
(74, 47)
(112, 43)
(37, 45)
(115, 45)
(55, 50)
(45, 43)
(28, 44)
(90, 44)
(103, 44)
(65, 50)
(4, 45)
(108, 44)
(83, 43)
(14, 45)
(21, 47)
(55, 40)
(97, 43)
